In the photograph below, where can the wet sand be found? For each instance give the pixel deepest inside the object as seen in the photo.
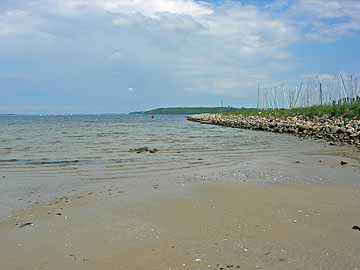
(211, 198)
(200, 226)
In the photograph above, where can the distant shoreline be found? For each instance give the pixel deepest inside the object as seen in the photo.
(188, 110)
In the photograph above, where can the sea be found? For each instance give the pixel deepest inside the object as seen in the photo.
(45, 157)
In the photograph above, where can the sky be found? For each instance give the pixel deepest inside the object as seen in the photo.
(115, 56)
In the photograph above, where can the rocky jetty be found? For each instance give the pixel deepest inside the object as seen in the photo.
(335, 130)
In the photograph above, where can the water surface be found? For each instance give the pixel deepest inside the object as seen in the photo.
(43, 157)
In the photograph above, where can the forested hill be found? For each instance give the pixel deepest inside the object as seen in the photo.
(189, 110)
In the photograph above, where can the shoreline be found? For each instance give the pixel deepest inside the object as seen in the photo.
(206, 226)
(333, 130)
(234, 200)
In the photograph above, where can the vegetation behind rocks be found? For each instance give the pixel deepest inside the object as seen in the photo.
(350, 111)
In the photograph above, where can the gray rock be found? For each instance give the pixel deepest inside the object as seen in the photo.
(343, 162)
(26, 224)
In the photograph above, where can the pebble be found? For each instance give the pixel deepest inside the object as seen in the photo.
(144, 150)
(26, 224)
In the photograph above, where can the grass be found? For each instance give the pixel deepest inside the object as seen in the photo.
(347, 111)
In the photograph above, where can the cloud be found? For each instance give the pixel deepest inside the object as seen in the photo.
(326, 20)
(160, 47)
(145, 7)
(12, 21)
(251, 29)
(320, 77)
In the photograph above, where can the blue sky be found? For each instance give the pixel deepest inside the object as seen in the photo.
(102, 56)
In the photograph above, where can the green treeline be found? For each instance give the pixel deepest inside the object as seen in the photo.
(189, 110)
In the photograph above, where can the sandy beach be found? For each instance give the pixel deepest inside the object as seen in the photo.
(209, 226)
(179, 134)
(210, 198)
(194, 225)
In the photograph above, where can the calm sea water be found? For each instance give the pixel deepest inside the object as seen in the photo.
(42, 157)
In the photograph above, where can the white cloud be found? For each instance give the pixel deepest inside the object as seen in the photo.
(145, 7)
(320, 76)
(13, 21)
(218, 49)
(327, 9)
(326, 20)
(23, 23)
(250, 30)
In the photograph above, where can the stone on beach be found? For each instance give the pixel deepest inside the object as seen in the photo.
(26, 224)
(144, 150)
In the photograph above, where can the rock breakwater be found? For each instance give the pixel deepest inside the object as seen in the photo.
(334, 130)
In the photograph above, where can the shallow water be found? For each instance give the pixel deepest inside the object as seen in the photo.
(43, 157)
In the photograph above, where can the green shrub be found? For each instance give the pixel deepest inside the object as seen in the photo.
(346, 111)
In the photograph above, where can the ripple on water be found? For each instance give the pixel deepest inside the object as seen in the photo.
(68, 150)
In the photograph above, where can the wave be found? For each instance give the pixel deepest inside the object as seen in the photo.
(8, 160)
(54, 162)
(40, 162)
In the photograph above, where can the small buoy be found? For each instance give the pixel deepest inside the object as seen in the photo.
(152, 116)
